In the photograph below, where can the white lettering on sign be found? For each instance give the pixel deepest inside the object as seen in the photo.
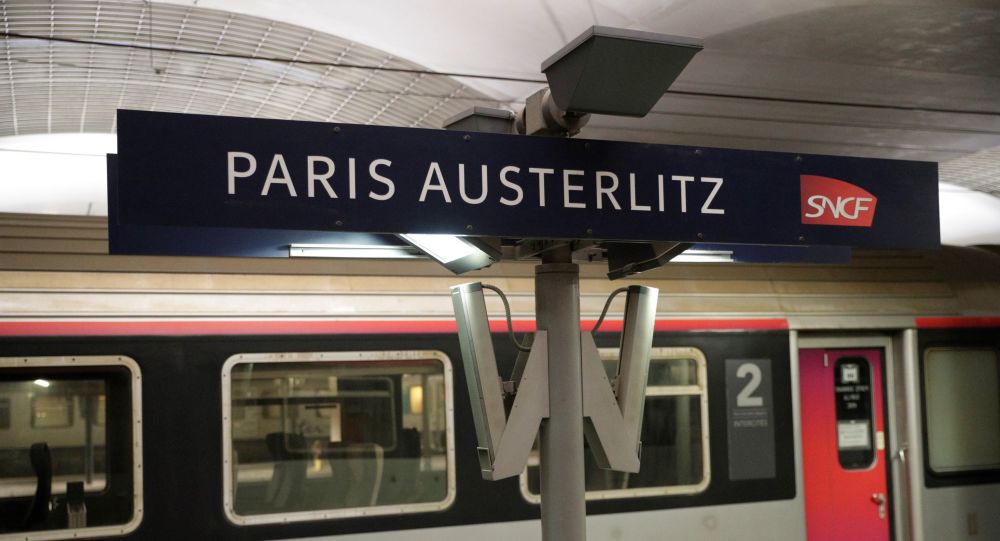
(541, 172)
(512, 185)
(844, 207)
(683, 180)
(373, 172)
(632, 192)
(322, 179)
(567, 187)
(461, 186)
(234, 174)
(352, 179)
(320, 170)
(607, 191)
(705, 209)
(434, 172)
(326, 177)
(285, 178)
(830, 201)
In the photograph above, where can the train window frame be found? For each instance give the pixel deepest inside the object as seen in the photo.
(135, 407)
(228, 484)
(5, 408)
(988, 471)
(655, 391)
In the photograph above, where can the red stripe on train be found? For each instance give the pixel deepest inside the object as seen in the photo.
(956, 322)
(231, 327)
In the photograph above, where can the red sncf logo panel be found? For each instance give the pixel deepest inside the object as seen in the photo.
(828, 201)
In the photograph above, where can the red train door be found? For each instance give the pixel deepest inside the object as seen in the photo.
(843, 445)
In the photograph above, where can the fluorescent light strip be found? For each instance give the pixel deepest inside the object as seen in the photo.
(704, 256)
(353, 251)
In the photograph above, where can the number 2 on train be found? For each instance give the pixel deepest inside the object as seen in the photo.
(745, 398)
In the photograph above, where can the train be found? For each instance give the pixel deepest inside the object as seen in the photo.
(239, 398)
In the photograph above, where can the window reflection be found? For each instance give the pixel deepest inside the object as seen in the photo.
(335, 435)
(963, 409)
(64, 414)
(674, 432)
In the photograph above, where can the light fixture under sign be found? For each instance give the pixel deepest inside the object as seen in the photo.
(704, 256)
(353, 251)
(457, 254)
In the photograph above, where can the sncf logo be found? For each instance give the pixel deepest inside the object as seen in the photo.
(828, 201)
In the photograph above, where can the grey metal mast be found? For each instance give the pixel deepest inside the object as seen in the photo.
(561, 459)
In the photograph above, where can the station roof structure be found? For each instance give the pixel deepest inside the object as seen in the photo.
(916, 80)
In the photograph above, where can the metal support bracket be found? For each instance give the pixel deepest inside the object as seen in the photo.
(531, 405)
(613, 413)
(503, 443)
(615, 447)
(541, 116)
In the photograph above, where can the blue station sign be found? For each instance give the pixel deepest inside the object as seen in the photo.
(195, 171)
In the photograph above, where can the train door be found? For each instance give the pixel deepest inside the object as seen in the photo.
(843, 444)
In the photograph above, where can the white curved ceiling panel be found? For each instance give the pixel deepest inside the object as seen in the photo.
(859, 77)
(76, 83)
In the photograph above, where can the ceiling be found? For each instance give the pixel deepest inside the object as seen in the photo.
(913, 79)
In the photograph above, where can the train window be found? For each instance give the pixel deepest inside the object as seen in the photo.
(963, 409)
(312, 436)
(675, 457)
(81, 454)
(70, 447)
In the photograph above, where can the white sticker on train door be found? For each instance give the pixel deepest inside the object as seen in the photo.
(853, 435)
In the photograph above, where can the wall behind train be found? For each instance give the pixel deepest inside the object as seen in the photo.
(58, 266)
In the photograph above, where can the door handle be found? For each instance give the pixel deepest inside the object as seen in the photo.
(879, 499)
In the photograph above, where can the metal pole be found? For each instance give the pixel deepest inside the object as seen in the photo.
(561, 459)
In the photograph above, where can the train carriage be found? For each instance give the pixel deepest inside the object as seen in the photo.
(158, 398)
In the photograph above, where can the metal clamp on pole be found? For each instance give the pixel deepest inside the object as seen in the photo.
(614, 414)
(503, 443)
